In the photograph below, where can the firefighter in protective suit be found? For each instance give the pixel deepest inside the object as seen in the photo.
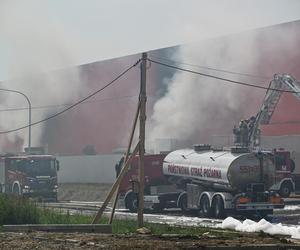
(237, 133)
(244, 131)
(119, 165)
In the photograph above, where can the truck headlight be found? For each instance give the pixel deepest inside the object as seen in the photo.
(26, 189)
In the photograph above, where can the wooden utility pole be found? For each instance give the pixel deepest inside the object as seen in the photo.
(115, 185)
(140, 147)
(126, 158)
(142, 100)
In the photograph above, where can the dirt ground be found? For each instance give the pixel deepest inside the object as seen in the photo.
(42, 240)
(83, 192)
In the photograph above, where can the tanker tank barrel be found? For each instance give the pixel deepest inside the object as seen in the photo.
(232, 169)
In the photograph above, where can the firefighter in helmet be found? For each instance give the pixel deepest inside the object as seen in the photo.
(119, 165)
(243, 126)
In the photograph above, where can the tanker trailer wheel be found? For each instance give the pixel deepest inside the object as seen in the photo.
(205, 206)
(285, 189)
(182, 203)
(218, 207)
(131, 202)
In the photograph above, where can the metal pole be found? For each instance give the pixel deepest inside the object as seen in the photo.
(29, 114)
(143, 99)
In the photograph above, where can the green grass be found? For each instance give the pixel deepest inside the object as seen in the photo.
(16, 210)
(49, 216)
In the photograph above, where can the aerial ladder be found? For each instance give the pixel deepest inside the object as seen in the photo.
(280, 83)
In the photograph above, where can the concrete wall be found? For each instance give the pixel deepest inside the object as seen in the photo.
(288, 142)
(88, 169)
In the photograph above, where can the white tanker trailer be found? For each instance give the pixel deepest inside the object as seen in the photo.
(219, 170)
(218, 182)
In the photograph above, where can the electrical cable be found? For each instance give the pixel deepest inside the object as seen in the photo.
(69, 104)
(221, 78)
(75, 104)
(66, 104)
(211, 68)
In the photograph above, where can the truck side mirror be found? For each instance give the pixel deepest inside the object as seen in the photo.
(57, 165)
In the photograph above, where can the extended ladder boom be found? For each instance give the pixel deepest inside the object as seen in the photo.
(248, 133)
(279, 84)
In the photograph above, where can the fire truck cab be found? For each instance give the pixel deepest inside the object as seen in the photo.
(29, 175)
(284, 168)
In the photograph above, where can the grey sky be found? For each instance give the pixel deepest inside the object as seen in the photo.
(60, 33)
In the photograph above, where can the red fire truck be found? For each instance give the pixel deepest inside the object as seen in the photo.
(29, 175)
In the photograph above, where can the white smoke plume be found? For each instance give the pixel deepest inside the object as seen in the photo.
(196, 107)
(29, 34)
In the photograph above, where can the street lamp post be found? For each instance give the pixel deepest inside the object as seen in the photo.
(29, 114)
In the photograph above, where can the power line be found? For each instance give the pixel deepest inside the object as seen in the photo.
(211, 68)
(69, 104)
(66, 104)
(75, 104)
(221, 78)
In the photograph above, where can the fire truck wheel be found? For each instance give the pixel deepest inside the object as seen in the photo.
(285, 189)
(16, 189)
(218, 207)
(131, 202)
(205, 206)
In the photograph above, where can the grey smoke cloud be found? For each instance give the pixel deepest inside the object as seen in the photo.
(36, 42)
(39, 39)
(196, 107)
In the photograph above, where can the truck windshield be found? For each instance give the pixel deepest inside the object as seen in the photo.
(38, 167)
(280, 161)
